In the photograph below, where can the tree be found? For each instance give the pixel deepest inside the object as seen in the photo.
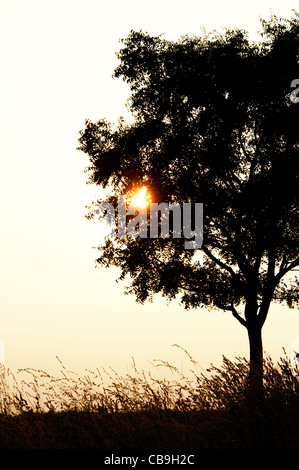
(213, 123)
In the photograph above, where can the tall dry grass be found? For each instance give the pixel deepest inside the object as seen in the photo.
(162, 408)
(105, 390)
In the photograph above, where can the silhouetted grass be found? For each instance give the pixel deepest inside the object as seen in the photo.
(103, 410)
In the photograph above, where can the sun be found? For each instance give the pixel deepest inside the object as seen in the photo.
(141, 198)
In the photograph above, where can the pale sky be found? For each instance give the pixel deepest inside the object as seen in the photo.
(57, 59)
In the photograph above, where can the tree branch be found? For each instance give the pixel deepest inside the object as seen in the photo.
(283, 271)
(265, 304)
(237, 316)
(217, 261)
(232, 309)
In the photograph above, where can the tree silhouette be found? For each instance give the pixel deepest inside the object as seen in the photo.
(213, 123)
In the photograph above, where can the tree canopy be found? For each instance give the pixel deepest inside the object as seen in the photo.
(213, 123)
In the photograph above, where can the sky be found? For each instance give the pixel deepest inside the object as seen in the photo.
(57, 61)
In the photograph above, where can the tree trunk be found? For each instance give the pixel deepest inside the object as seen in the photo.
(256, 361)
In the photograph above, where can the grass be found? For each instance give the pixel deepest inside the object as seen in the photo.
(141, 410)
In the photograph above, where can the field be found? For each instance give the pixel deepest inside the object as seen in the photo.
(106, 411)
